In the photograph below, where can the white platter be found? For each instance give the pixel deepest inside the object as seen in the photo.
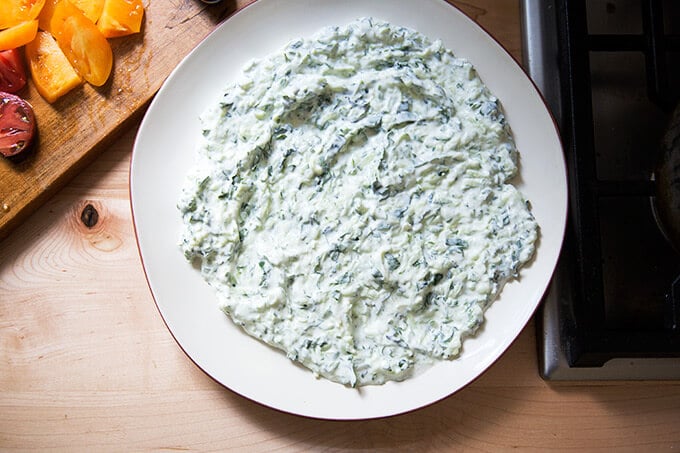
(165, 149)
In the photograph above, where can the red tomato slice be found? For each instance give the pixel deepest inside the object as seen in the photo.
(17, 124)
(12, 72)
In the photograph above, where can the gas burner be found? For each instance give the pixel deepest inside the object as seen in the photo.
(605, 69)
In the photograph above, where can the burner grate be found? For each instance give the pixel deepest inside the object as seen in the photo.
(654, 43)
(597, 327)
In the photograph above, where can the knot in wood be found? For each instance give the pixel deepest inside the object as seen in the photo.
(89, 216)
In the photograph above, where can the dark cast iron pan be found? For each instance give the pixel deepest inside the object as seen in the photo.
(667, 176)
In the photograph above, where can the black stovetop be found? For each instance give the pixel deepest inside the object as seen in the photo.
(610, 73)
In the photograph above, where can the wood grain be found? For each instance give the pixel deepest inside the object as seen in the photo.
(77, 126)
(86, 363)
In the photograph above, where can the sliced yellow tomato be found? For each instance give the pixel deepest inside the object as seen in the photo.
(18, 35)
(121, 17)
(55, 14)
(91, 8)
(84, 45)
(14, 12)
(51, 71)
(45, 16)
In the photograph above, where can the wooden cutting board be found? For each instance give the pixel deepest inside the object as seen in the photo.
(76, 126)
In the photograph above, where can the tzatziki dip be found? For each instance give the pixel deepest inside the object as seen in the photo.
(351, 202)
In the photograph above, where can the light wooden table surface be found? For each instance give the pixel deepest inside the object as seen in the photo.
(86, 362)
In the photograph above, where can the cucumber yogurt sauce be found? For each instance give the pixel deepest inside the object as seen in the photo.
(351, 203)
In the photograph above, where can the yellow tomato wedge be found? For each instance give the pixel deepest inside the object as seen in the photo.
(51, 71)
(55, 14)
(121, 17)
(45, 16)
(92, 9)
(18, 35)
(83, 44)
(14, 12)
